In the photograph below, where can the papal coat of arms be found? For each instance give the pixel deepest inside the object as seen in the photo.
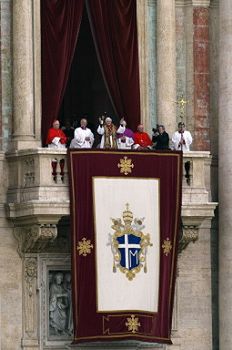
(129, 244)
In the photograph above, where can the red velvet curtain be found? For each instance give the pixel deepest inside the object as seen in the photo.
(115, 33)
(60, 27)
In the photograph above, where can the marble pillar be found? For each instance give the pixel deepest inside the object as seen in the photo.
(23, 75)
(225, 174)
(184, 60)
(166, 64)
(201, 75)
(146, 26)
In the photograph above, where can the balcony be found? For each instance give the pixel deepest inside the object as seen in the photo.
(38, 192)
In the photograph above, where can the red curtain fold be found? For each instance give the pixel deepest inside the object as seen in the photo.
(115, 34)
(60, 27)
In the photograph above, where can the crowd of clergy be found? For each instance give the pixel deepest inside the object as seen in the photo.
(118, 137)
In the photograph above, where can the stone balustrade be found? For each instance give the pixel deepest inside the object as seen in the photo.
(38, 183)
(38, 191)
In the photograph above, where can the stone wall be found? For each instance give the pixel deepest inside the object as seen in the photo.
(10, 261)
(5, 73)
(194, 327)
(11, 275)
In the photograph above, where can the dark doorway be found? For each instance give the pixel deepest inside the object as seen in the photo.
(86, 94)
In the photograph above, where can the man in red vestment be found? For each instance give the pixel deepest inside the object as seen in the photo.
(142, 139)
(56, 137)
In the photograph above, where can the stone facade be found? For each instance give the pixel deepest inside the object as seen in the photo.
(178, 54)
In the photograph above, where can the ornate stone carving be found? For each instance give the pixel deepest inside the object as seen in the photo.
(35, 238)
(39, 236)
(30, 273)
(55, 309)
(60, 305)
(30, 307)
(189, 234)
(29, 172)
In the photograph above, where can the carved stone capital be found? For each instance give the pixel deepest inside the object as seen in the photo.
(189, 234)
(35, 238)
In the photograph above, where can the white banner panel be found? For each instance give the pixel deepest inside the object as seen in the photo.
(115, 292)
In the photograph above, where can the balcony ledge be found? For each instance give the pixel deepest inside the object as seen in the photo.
(38, 190)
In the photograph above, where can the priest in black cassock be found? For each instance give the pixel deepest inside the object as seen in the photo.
(160, 138)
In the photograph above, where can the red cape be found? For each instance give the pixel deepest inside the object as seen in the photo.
(56, 133)
(142, 139)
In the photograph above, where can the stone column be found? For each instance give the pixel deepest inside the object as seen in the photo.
(23, 75)
(146, 27)
(201, 74)
(225, 174)
(166, 64)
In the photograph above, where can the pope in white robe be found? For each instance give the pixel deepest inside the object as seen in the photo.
(182, 139)
(108, 132)
(83, 136)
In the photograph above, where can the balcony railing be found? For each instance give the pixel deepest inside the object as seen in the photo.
(38, 190)
(41, 174)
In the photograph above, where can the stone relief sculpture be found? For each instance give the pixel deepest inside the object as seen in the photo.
(60, 304)
(68, 289)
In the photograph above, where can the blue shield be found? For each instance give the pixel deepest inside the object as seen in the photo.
(129, 247)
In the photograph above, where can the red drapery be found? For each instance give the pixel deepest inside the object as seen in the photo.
(115, 34)
(85, 166)
(60, 27)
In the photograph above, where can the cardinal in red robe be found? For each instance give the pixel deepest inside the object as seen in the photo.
(142, 140)
(56, 137)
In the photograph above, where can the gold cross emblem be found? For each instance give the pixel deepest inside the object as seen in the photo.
(84, 247)
(181, 103)
(133, 324)
(125, 166)
(167, 246)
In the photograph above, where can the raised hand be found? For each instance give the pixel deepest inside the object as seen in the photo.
(101, 120)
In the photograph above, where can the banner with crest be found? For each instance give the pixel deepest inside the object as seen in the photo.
(125, 210)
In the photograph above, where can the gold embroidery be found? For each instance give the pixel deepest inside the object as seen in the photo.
(167, 246)
(130, 227)
(133, 324)
(84, 247)
(110, 140)
(125, 166)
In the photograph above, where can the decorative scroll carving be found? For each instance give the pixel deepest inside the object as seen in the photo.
(30, 316)
(35, 238)
(29, 172)
(189, 234)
